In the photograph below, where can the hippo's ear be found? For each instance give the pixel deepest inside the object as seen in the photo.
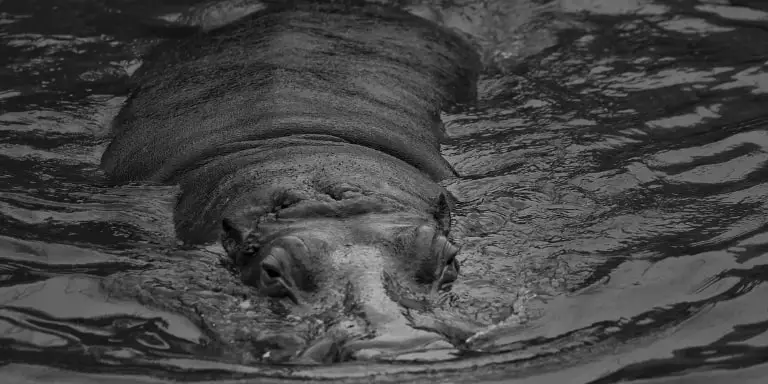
(442, 213)
(231, 236)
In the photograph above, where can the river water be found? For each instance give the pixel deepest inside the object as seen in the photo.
(613, 215)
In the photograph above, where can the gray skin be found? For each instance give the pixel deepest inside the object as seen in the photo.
(307, 137)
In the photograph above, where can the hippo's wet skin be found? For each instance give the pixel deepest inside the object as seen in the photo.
(310, 135)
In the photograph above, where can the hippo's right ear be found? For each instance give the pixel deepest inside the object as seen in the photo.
(442, 213)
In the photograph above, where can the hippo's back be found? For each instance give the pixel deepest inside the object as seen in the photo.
(371, 76)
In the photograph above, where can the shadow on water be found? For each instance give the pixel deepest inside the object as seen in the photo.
(614, 210)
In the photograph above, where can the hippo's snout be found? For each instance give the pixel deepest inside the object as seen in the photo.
(382, 300)
(370, 270)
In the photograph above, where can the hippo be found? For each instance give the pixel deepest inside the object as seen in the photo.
(305, 138)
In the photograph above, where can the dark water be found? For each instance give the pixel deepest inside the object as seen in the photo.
(614, 203)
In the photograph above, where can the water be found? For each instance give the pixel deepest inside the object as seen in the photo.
(613, 216)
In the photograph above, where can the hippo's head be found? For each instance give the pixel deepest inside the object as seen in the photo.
(365, 261)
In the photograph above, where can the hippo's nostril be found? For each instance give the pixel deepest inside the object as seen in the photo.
(446, 284)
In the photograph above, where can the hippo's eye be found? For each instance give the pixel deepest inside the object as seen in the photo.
(270, 268)
(273, 269)
(275, 279)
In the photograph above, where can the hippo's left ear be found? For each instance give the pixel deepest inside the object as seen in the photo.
(231, 236)
(442, 213)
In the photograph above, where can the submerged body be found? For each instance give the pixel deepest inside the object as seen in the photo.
(310, 134)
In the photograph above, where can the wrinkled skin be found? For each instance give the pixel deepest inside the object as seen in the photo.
(309, 135)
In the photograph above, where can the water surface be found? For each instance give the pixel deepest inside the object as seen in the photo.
(613, 215)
